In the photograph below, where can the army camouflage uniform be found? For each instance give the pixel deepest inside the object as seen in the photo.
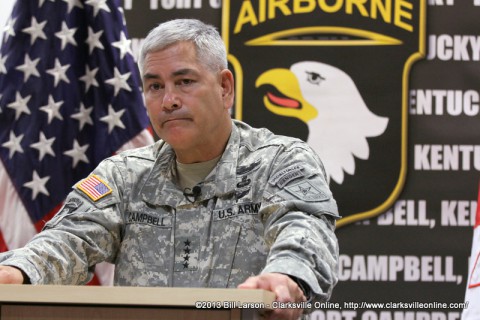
(266, 207)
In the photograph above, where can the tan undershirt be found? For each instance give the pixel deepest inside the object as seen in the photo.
(189, 175)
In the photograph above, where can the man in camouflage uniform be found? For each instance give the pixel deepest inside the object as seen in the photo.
(214, 203)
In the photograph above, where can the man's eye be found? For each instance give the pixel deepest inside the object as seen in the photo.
(155, 86)
(186, 82)
(314, 78)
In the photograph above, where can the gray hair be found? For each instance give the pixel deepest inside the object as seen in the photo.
(208, 42)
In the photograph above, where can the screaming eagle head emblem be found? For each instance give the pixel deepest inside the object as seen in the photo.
(328, 101)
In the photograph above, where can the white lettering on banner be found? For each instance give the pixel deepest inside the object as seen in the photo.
(216, 4)
(175, 4)
(127, 4)
(458, 213)
(334, 315)
(407, 213)
(446, 157)
(441, 2)
(397, 268)
(444, 102)
(447, 47)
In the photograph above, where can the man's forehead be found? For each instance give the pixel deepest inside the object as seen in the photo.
(172, 61)
(173, 73)
(181, 48)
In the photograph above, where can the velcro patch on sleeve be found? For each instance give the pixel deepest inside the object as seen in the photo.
(307, 191)
(94, 187)
(286, 175)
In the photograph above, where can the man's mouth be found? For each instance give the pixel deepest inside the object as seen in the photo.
(174, 120)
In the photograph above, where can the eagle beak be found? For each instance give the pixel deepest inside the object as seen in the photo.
(283, 95)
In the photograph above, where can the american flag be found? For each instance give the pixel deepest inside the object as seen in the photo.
(69, 97)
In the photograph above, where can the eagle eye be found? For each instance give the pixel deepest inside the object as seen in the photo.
(314, 78)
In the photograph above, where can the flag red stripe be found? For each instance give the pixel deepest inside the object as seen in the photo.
(3, 245)
(91, 190)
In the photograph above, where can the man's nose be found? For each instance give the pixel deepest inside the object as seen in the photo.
(171, 99)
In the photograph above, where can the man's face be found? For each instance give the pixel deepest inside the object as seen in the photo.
(188, 104)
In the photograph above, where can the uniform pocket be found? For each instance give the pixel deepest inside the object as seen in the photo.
(152, 233)
(145, 257)
(156, 246)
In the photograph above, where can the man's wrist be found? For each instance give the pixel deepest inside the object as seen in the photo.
(12, 275)
(304, 287)
(26, 279)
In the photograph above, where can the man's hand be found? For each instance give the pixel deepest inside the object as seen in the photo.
(285, 289)
(10, 275)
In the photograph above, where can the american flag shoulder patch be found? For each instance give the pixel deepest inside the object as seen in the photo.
(94, 187)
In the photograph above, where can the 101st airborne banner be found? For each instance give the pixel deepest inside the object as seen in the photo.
(333, 73)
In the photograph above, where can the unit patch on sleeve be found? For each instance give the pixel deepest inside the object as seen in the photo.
(306, 191)
(286, 175)
(94, 187)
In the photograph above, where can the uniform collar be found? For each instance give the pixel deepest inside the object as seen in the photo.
(159, 188)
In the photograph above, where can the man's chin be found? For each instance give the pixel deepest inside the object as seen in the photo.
(178, 139)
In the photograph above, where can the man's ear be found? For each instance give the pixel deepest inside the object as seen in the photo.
(228, 87)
